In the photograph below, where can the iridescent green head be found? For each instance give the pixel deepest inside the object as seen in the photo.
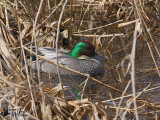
(84, 48)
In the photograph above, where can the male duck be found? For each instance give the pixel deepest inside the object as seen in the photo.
(82, 58)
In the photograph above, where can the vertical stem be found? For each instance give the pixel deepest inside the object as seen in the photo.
(132, 57)
(34, 38)
(57, 37)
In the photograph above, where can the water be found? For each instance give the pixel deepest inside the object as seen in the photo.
(145, 75)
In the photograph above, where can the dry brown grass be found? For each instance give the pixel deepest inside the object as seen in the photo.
(125, 31)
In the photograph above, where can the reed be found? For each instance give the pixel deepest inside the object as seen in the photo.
(126, 32)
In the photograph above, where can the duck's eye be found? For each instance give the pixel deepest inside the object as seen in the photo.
(88, 48)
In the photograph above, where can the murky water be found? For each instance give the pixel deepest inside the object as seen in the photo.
(146, 76)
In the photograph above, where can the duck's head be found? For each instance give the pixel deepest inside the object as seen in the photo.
(85, 48)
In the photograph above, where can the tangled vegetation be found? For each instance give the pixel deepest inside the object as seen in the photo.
(126, 32)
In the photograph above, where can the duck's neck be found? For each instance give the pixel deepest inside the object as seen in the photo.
(74, 53)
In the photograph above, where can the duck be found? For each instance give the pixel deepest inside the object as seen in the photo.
(82, 58)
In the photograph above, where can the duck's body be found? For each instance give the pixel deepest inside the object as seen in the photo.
(87, 63)
(89, 66)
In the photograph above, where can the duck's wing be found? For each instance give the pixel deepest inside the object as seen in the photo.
(48, 52)
(45, 66)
